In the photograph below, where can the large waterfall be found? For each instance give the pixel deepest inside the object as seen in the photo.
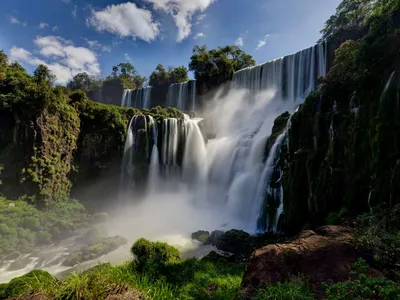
(138, 98)
(182, 95)
(232, 172)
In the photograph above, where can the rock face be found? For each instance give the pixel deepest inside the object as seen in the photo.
(319, 258)
(201, 235)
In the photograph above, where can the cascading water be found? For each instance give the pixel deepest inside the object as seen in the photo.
(138, 98)
(154, 170)
(182, 95)
(236, 154)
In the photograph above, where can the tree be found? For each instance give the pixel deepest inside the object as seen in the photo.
(3, 64)
(216, 66)
(84, 82)
(43, 74)
(126, 73)
(162, 77)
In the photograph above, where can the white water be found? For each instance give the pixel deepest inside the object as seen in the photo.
(182, 95)
(138, 98)
(154, 169)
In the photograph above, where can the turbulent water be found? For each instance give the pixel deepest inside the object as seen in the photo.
(196, 184)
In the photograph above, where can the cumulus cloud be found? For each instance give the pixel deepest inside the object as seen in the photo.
(96, 45)
(263, 42)
(182, 12)
(61, 56)
(128, 58)
(125, 20)
(54, 29)
(43, 25)
(74, 11)
(199, 35)
(240, 40)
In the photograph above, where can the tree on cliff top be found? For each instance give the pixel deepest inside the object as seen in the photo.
(84, 82)
(217, 66)
(161, 76)
(126, 72)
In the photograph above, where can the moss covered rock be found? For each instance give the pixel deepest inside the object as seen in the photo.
(200, 235)
(235, 241)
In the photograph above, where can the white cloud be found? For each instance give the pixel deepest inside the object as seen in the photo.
(43, 25)
(14, 20)
(24, 56)
(263, 42)
(199, 35)
(128, 58)
(124, 20)
(61, 56)
(182, 12)
(96, 45)
(240, 40)
(74, 11)
(54, 29)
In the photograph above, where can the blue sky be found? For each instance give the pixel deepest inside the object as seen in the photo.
(72, 36)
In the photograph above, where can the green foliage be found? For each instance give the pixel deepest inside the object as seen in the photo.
(3, 64)
(379, 234)
(95, 250)
(127, 74)
(162, 77)
(361, 286)
(36, 281)
(85, 82)
(288, 290)
(332, 219)
(22, 226)
(216, 66)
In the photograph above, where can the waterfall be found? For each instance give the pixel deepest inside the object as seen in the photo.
(293, 76)
(136, 141)
(138, 98)
(154, 171)
(182, 95)
(170, 146)
(194, 166)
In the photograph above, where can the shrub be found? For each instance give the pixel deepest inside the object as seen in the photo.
(332, 219)
(359, 286)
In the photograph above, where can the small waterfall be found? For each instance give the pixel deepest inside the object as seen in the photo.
(182, 95)
(138, 98)
(154, 171)
(170, 146)
(195, 156)
(134, 150)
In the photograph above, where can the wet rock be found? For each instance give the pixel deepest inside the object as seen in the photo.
(319, 258)
(19, 264)
(213, 238)
(200, 235)
(234, 241)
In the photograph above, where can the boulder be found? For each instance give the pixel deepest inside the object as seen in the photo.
(200, 235)
(319, 258)
(213, 238)
(234, 241)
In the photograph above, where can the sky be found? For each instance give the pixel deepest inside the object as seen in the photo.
(72, 36)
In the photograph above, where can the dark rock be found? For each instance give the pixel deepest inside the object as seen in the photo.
(19, 264)
(234, 241)
(200, 235)
(213, 238)
(12, 256)
(319, 258)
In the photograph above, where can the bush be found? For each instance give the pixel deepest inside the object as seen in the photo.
(359, 286)
(34, 282)
(332, 219)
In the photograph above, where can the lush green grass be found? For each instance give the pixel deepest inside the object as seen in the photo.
(289, 291)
